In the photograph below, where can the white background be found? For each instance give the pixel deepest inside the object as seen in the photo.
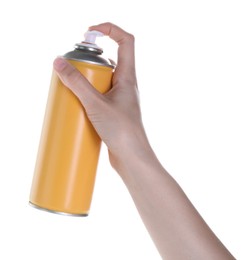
(188, 56)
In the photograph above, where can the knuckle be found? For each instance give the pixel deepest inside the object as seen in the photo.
(110, 27)
(109, 24)
(122, 35)
(130, 37)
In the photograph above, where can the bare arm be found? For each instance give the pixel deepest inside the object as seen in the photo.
(175, 226)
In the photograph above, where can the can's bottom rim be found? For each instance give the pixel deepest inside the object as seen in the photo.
(58, 212)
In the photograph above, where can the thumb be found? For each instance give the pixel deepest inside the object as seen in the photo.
(76, 82)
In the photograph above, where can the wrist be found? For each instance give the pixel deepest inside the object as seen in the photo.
(133, 149)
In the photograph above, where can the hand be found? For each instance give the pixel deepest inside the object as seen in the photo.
(174, 224)
(115, 115)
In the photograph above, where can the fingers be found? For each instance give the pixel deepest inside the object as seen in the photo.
(126, 54)
(76, 82)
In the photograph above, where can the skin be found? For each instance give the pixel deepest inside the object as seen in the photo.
(177, 229)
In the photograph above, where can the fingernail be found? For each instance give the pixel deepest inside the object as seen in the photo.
(91, 27)
(59, 64)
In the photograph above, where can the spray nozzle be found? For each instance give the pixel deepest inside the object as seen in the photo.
(89, 43)
(90, 36)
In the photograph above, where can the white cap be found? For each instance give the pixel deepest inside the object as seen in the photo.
(89, 42)
(90, 36)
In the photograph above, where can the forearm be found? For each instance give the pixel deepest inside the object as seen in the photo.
(175, 226)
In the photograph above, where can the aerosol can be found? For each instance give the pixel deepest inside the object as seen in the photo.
(69, 147)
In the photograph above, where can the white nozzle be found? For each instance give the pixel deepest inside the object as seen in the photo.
(89, 42)
(90, 36)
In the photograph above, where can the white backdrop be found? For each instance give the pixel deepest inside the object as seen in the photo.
(188, 65)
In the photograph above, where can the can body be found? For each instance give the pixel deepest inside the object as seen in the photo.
(69, 147)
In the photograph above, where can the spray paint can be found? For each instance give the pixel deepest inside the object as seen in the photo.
(69, 147)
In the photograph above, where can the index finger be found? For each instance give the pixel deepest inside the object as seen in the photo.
(125, 40)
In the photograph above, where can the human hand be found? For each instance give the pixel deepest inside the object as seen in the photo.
(165, 209)
(116, 114)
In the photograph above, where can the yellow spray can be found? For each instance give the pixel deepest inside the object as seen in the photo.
(69, 147)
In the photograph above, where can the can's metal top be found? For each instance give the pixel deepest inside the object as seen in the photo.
(87, 51)
(88, 56)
